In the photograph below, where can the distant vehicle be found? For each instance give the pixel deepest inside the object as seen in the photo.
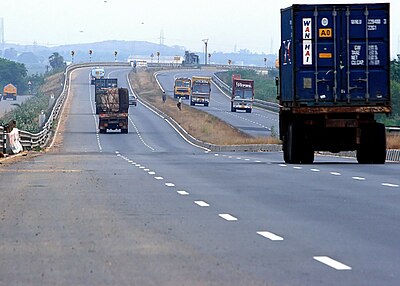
(182, 87)
(132, 100)
(97, 73)
(113, 109)
(242, 97)
(334, 66)
(10, 91)
(100, 84)
(200, 90)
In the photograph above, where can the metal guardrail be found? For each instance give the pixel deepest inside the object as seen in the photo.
(40, 140)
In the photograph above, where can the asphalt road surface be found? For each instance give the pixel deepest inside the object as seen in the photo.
(147, 208)
(259, 122)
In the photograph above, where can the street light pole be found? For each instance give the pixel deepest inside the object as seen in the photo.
(205, 52)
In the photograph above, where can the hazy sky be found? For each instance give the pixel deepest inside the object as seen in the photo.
(251, 24)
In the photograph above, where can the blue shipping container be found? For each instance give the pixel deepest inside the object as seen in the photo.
(335, 55)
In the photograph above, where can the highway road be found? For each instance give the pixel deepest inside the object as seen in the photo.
(258, 123)
(147, 208)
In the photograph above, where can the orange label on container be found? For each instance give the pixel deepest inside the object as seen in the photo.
(325, 55)
(325, 33)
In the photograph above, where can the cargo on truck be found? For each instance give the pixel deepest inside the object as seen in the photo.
(102, 83)
(242, 96)
(96, 73)
(334, 67)
(113, 109)
(200, 90)
(182, 87)
(10, 91)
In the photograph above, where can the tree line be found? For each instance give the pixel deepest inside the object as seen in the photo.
(17, 74)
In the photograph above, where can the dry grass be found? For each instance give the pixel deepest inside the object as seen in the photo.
(199, 124)
(52, 84)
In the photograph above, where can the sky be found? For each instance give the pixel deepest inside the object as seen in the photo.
(229, 25)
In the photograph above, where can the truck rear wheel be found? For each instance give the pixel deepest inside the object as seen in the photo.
(291, 149)
(124, 131)
(372, 149)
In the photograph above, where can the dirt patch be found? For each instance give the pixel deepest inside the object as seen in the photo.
(199, 124)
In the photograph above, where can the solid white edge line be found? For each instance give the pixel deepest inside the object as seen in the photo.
(228, 217)
(180, 134)
(270, 235)
(332, 263)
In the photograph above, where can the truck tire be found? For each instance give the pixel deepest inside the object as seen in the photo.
(191, 103)
(379, 149)
(232, 109)
(124, 131)
(292, 148)
(372, 149)
(103, 131)
(248, 110)
(206, 104)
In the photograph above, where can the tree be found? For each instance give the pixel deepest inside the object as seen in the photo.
(12, 72)
(56, 61)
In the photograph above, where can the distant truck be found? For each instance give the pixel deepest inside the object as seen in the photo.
(242, 97)
(113, 109)
(102, 83)
(96, 73)
(182, 87)
(334, 66)
(200, 90)
(10, 91)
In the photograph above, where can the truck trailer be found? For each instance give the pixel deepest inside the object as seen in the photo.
(242, 97)
(100, 84)
(113, 109)
(200, 91)
(334, 78)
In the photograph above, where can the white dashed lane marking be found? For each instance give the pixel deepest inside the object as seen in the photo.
(183, 193)
(201, 203)
(170, 184)
(228, 217)
(358, 178)
(270, 235)
(390, 185)
(159, 178)
(152, 173)
(332, 263)
(315, 170)
(335, 173)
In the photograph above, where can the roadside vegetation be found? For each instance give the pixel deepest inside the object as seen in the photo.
(199, 124)
(41, 87)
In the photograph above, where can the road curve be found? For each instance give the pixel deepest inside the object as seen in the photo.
(147, 208)
(259, 123)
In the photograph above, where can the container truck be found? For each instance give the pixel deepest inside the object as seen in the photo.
(200, 91)
(113, 109)
(10, 91)
(334, 79)
(182, 87)
(242, 97)
(101, 84)
(96, 73)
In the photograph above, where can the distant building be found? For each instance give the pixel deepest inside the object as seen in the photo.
(191, 58)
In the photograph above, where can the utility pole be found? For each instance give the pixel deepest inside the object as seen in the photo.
(205, 52)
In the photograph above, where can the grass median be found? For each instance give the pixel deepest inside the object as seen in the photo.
(199, 124)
